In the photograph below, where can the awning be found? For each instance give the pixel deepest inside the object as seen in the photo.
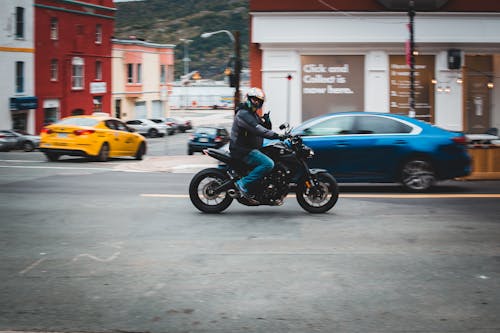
(23, 103)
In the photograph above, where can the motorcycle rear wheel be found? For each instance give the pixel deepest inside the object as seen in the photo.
(318, 200)
(201, 195)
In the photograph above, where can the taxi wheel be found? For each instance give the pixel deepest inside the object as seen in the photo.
(53, 157)
(140, 151)
(103, 153)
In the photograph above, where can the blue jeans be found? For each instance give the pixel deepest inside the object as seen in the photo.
(262, 165)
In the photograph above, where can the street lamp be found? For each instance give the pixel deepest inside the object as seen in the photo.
(235, 38)
(186, 54)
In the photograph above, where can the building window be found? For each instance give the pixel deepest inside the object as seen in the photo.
(54, 28)
(139, 73)
(19, 22)
(19, 76)
(98, 70)
(77, 74)
(130, 73)
(98, 34)
(54, 70)
(163, 74)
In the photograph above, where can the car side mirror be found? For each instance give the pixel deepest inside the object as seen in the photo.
(130, 129)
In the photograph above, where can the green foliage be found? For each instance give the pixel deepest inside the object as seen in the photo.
(167, 21)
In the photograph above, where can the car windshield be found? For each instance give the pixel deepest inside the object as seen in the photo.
(206, 130)
(79, 121)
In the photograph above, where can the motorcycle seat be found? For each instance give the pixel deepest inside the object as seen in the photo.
(226, 158)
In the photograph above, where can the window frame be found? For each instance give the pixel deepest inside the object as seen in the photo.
(98, 70)
(130, 73)
(19, 28)
(98, 34)
(139, 74)
(77, 73)
(54, 70)
(20, 77)
(54, 28)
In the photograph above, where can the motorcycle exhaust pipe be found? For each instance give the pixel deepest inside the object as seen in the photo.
(232, 193)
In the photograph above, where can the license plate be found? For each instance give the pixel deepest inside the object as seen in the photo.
(203, 140)
(62, 135)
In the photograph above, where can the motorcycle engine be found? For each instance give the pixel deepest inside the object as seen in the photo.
(275, 186)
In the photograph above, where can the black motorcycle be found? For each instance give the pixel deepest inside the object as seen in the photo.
(212, 190)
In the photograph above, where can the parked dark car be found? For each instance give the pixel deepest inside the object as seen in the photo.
(18, 139)
(207, 137)
(359, 147)
(181, 124)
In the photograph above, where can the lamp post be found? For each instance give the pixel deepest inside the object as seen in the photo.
(235, 38)
(411, 14)
(186, 54)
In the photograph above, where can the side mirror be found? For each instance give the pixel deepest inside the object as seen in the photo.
(130, 129)
(283, 126)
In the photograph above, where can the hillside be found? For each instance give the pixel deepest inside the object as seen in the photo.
(167, 21)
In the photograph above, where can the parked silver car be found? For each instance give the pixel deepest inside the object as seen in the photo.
(147, 127)
(170, 126)
(18, 139)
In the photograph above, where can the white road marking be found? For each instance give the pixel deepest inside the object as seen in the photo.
(369, 196)
(111, 258)
(33, 265)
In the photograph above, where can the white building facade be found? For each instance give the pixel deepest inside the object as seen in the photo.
(17, 92)
(316, 62)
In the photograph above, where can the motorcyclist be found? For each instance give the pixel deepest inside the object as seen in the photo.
(247, 134)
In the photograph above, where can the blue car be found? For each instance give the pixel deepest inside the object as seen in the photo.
(360, 147)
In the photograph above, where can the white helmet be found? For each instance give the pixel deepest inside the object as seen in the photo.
(255, 98)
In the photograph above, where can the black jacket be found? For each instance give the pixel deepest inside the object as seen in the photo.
(248, 132)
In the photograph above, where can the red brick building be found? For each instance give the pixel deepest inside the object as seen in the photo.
(72, 58)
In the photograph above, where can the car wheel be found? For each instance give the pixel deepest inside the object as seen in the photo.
(190, 152)
(417, 175)
(53, 157)
(103, 153)
(28, 146)
(152, 133)
(140, 151)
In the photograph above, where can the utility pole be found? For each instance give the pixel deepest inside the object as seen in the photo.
(237, 68)
(411, 14)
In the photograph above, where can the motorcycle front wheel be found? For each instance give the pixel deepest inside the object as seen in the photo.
(321, 198)
(201, 191)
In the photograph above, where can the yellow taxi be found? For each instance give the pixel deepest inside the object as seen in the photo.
(98, 137)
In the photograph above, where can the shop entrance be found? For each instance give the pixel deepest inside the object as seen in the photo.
(478, 74)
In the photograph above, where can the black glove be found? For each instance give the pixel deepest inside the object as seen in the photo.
(282, 137)
(266, 118)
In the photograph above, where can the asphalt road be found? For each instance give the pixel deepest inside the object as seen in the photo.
(96, 247)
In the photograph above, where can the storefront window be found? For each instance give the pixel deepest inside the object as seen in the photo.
(332, 83)
(399, 77)
(478, 74)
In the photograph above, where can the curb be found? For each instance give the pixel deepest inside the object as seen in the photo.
(173, 164)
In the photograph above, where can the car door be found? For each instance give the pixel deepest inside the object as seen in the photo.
(10, 139)
(330, 140)
(378, 147)
(130, 140)
(114, 138)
